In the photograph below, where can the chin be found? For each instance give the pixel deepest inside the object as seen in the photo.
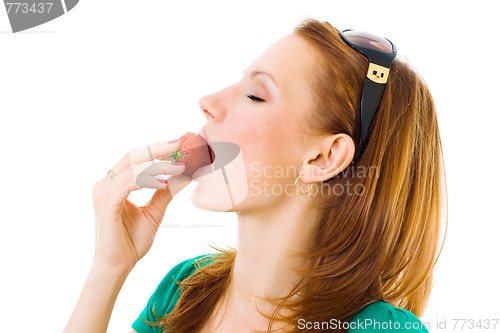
(219, 191)
(205, 198)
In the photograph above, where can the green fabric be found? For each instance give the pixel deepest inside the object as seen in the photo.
(374, 318)
(383, 317)
(166, 295)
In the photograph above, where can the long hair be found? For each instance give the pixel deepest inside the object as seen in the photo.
(380, 241)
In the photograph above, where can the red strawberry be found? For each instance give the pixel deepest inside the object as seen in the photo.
(194, 152)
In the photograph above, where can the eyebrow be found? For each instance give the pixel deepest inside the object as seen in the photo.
(255, 73)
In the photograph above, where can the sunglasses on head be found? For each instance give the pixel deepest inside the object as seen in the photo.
(380, 53)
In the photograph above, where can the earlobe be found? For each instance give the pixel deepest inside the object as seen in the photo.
(309, 173)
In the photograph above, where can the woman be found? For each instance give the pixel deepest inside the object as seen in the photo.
(351, 248)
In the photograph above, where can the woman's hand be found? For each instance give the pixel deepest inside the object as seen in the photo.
(125, 232)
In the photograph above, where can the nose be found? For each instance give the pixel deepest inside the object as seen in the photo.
(213, 106)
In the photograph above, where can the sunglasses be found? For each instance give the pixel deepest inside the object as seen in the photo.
(380, 53)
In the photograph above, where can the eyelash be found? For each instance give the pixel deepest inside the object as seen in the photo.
(254, 98)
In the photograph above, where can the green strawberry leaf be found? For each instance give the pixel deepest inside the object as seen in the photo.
(175, 156)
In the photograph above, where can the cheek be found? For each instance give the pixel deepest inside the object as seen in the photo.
(268, 143)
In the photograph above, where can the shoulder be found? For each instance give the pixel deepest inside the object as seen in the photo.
(167, 293)
(383, 317)
(183, 270)
(187, 267)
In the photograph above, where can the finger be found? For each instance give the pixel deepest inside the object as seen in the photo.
(161, 198)
(136, 177)
(159, 168)
(145, 154)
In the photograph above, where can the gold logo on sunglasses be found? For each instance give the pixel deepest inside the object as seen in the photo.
(377, 73)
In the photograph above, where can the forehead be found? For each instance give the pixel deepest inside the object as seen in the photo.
(289, 60)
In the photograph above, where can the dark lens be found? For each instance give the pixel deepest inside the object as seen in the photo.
(368, 40)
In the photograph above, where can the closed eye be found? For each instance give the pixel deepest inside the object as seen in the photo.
(255, 98)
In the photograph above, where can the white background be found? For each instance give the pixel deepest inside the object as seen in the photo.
(79, 92)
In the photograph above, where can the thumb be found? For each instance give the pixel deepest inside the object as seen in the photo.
(161, 198)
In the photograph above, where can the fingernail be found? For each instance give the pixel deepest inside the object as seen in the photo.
(164, 181)
(172, 141)
(178, 163)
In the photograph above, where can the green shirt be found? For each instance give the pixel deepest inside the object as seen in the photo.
(376, 317)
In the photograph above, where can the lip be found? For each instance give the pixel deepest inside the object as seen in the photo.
(203, 134)
(201, 171)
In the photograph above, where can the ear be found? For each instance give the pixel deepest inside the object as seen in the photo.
(331, 155)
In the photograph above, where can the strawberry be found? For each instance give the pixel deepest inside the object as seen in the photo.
(194, 152)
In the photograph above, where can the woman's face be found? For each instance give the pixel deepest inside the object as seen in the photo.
(260, 114)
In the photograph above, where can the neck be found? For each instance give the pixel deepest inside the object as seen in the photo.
(264, 265)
